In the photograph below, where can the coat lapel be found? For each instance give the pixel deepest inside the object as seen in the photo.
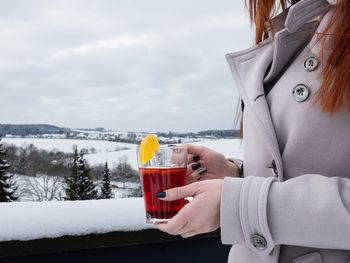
(248, 68)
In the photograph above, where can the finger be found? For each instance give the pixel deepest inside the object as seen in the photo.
(178, 157)
(186, 228)
(196, 158)
(175, 225)
(195, 150)
(193, 178)
(193, 167)
(190, 158)
(197, 175)
(189, 234)
(161, 226)
(177, 193)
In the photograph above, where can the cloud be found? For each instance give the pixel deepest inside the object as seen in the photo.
(125, 65)
(106, 45)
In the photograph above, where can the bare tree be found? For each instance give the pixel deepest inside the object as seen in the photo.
(44, 188)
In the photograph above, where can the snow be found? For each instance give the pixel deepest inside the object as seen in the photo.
(231, 148)
(36, 220)
(66, 145)
(113, 157)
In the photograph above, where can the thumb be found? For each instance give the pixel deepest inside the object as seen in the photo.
(195, 150)
(178, 192)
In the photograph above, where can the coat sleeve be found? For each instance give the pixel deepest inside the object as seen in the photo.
(310, 210)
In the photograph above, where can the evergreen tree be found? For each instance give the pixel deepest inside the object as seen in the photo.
(106, 189)
(7, 186)
(85, 187)
(72, 180)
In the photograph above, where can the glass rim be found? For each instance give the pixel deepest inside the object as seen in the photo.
(166, 146)
(165, 149)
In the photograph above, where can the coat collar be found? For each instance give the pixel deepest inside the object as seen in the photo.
(296, 32)
(304, 11)
(249, 67)
(315, 44)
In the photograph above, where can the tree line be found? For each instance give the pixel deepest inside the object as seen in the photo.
(30, 161)
(30, 129)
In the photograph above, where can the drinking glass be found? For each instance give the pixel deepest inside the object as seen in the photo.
(167, 169)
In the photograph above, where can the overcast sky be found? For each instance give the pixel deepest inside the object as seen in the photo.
(136, 65)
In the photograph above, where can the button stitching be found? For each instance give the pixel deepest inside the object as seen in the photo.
(258, 241)
(301, 92)
(312, 67)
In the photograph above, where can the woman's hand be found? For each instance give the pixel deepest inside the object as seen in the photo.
(201, 215)
(205, 163)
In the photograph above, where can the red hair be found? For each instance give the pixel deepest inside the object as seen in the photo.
(334, 92)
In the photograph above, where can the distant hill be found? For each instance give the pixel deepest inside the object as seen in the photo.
(30, 129)
(220, 133)
(208, 133)
(100, 133)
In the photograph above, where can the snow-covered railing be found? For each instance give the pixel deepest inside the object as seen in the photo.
(97, 230)
(36, 220)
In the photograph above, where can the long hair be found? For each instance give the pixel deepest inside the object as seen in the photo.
(334, 92)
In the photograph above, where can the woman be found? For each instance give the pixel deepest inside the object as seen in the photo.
(292, 200)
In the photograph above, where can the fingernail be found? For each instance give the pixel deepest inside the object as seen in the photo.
(161, 194)
(195, 158)
(202, 171)
(195, 166)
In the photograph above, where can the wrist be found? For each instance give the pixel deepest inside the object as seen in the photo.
(236, 167)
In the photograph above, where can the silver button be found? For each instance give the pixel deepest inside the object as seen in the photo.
(311, 64)
(301, 92)
(258, 241)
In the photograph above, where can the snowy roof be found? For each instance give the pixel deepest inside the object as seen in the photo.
(36, 220)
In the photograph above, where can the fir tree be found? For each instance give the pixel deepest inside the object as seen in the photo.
(7, 186)
(86, 188)
(106, 189)
(72, 180)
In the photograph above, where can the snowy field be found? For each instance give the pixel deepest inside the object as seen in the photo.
(66, 145)
(108, 151)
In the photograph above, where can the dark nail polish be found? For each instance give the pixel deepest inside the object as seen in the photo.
(195, 166)
(160, 194)
(195, 158)
(202, 171)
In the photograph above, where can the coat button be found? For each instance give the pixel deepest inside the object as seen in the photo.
(301, 92)
(258, 241)
(311, 64)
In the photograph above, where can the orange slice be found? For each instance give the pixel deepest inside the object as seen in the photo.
(148, 148)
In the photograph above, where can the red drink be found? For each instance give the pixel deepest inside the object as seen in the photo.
(156, 180)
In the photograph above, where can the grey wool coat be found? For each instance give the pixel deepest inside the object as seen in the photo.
(293, 202)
